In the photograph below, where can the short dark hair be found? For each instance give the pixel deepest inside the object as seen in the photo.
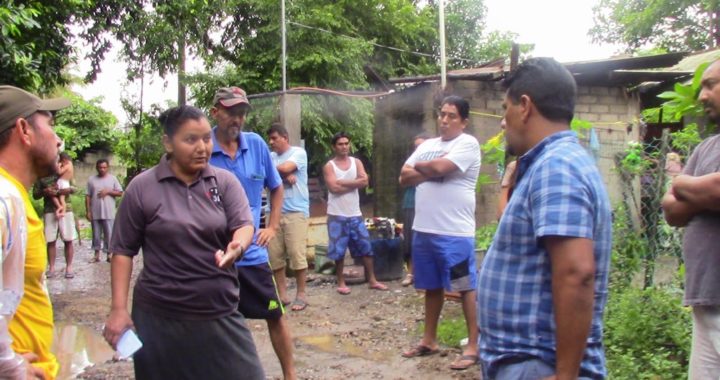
(174, 117)
(5, 137)
(548, 84)
(102, 161)
(5, 134)
(279, 129)
(461, 104)
(65, 157)
(338, 136)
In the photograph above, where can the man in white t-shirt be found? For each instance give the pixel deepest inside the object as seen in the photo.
(445, 170)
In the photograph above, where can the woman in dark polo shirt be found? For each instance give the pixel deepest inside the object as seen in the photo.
(192, 222)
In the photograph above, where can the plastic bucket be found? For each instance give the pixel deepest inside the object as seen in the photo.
(322, 263)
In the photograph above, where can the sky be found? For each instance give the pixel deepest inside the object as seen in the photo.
(544, 23)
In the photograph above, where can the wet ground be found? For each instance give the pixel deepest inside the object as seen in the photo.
(360, 335)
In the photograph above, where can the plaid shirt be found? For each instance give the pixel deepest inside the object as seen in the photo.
(558, 192)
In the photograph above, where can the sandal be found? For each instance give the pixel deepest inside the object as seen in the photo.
(408, 280)
(420, 350)
(69, 275)
(379, 286)
(464, 362)
(298, 305)
(344, 290)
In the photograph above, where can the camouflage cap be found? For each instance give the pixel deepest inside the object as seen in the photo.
(230, 97)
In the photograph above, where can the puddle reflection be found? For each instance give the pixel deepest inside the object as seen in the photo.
(78, 347)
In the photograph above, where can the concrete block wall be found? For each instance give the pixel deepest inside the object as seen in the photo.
(614, 114)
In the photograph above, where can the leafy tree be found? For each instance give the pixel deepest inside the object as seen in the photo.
(85, 125)
(141, 146)
(34, 43)
(673, 25)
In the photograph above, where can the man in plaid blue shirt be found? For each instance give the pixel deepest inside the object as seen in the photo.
(543, 285)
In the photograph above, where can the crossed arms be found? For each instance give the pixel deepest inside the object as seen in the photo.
(342, 186)
(424, 171)
(689, 196)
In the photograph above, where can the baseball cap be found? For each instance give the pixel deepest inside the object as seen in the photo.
(17, 103)
(230, 97)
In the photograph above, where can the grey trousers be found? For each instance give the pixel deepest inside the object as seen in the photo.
(101, 227)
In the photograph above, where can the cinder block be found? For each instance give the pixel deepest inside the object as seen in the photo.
(599, 90)
(599, 108)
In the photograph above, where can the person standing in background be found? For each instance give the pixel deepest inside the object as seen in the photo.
(102, 189)
(290, 242)
(408, 216)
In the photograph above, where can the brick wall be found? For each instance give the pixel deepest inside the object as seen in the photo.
(401, 116)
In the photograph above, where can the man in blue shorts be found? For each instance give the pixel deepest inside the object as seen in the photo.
(246, 155)
(445, 170)
(344, 175)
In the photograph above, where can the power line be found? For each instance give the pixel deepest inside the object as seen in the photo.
(374, 44)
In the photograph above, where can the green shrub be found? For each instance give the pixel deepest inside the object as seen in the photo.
(484, 236)
(647, 334)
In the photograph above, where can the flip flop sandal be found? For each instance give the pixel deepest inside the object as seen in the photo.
(464, 362)
(379, 286)
(344, 290)
(69, 275)
(420, 350)
(298, 305)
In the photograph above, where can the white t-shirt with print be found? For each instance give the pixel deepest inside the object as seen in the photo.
(447, 206)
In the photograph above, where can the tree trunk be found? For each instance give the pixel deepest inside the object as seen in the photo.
(181, 73)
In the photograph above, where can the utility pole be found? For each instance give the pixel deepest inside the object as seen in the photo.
(284, 46)
(443, 68)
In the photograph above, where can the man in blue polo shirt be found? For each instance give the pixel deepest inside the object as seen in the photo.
(543, 284)
(246, 155)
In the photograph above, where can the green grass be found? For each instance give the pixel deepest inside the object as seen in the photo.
(451, 329)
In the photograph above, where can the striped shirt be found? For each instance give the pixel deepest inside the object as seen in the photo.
(559, 192)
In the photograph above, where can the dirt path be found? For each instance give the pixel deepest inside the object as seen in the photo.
(337, 337)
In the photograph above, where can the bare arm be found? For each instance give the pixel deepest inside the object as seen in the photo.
(436, 168)
(268, 233)
(361, 179)
(88, 210)
(331, 181)
(287, 168)
(503, 200)
(701, 192)
(573, 287)
(242, 238)
(119, 319)
(677, 213)
(410, 177)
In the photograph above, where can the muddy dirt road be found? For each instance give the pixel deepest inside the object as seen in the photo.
(337, 337)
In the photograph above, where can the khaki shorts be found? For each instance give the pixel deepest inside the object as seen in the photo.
(65, 226)
(290, 242)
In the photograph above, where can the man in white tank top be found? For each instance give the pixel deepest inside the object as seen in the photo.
(344, 175)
